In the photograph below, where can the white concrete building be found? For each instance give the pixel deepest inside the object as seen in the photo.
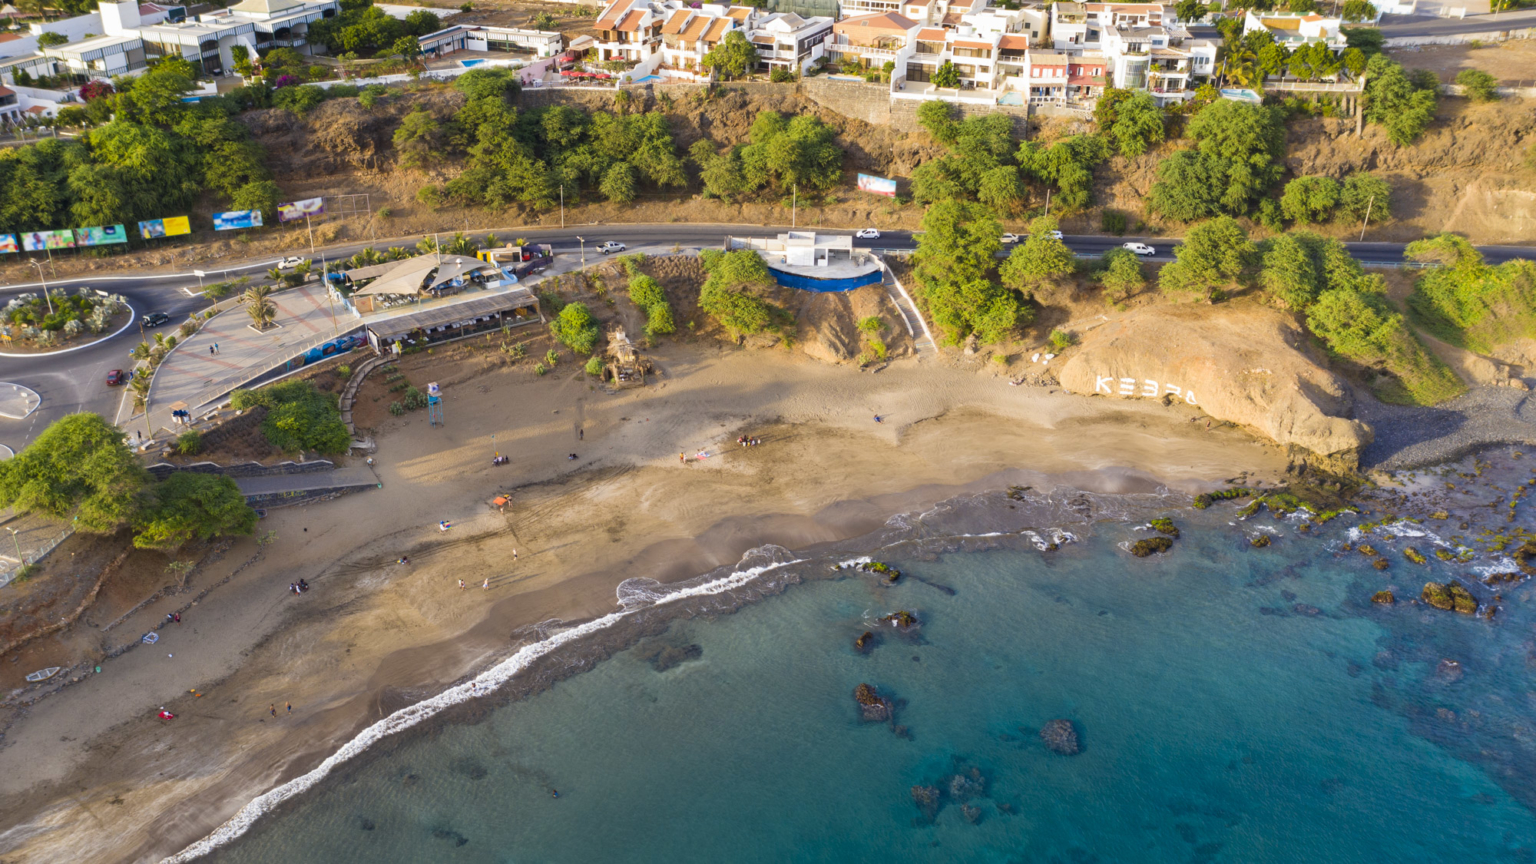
(512, 40)
(130, 43)
(785, 40)
(1294, 31)
(629, 30)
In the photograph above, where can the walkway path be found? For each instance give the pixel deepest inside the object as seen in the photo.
(273, 488)
(922, 338)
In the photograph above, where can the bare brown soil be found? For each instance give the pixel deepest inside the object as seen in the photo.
(1512, 62)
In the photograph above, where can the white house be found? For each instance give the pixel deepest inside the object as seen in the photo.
(1294, 31)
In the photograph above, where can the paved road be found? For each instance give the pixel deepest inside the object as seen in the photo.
(1405, 26)
(77, 381)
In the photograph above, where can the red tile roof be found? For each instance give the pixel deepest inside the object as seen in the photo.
(931, 34)
(876, 21)
(717, 30)
(676, 22)
(1013, 42)
(631, 22)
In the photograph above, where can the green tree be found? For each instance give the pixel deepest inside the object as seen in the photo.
(1356, 11)
(1213, 256)
(1238, 157)
(260, 309)
(576, 328)
(1121, 274)
(730, 293)
(79, 466)
(946, 76)
(1363, 192)
(975, 306)
(262, 195)
(1138, 124)
(488, 84)
(1068, 164)
(1291, 274)
(156, 95)
(618, 183)
(732, 57)
(299, 417)
(1309, 200)
(422, 22)
(958, 242)
(1190, 10)
(1001, 189)
(1478, 85)
(1354, 61)
(419, 139)
(1466, 301)
(1038, 262)
(1394, 103)
(191, 506)
(1356, 322)
(50, 39)
(938, 117)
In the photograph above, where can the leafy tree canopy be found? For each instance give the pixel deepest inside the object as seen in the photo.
(190, 506)
(299, 417)
(79, 466)
(1238, 157)
(576, 327)
(1039, 261)
(730, 294)
(1214, 255)
(1395, 102)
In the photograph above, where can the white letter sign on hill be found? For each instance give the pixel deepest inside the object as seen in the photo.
(1145, 387)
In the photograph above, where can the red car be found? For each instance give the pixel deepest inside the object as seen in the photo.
(115, 378)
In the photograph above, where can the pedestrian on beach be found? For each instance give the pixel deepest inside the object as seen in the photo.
(486, 584)
(461, 584)
(215, 347)
(444, 525)
(210, 349)
(581, 434)
(683, 457)
(290, 707)
(273, 709)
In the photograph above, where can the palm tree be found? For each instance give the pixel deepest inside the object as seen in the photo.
(140, 351)
(261, 310)
(462, 245)
(139, 384)
(275, 275)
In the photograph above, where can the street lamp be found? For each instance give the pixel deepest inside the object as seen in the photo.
(583, 249)
(44, 279)
(19, 559)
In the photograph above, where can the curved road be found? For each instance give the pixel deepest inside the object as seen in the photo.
(76, 381)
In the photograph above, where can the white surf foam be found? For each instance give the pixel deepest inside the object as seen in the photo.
(487, 682)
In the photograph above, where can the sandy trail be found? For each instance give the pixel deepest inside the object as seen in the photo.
(89, 776)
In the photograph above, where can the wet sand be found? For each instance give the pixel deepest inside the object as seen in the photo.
(89, 775)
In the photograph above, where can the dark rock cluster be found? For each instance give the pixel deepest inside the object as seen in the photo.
(1060, 737)
(1151, 546)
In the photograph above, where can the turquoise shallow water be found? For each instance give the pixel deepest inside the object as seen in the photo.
(1232, 705)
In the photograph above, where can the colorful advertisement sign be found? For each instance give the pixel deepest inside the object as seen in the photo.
(877, 185)
(171, 226)
(236, 219)
(106, 235)
(37, 241)
(300, 209)
(8, 244)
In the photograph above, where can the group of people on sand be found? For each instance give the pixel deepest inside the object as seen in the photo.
(748, 442)
(298, 587)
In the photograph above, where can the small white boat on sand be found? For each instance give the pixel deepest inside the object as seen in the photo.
(43, 674)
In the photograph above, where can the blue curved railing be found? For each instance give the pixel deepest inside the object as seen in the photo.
(825, 286)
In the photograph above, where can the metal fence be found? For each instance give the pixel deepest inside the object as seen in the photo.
(40, 554)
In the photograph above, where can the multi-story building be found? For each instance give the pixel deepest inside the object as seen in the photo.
(629, 30)
(10, 106)
(785, 40)
(1294, 31)
(130, 44)
(1141, 46)
(688, 34)
(873, 39)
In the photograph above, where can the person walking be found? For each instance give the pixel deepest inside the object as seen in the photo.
(461, 584)
(486, 584)
(290, 708)
(273, 709)
(215, 347)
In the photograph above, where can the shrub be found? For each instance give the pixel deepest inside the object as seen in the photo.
(1061, 340)
(414, 398)
(396, 408)
(1121, 274)
(1112, 222)
(576, 328)
(299, 417)
(1478, 85)
(551, 358)
(780, 75)
(189, 443)
(726, 295)
(1468, 302)
(872, 324)
(1310, 200)
(594, 366)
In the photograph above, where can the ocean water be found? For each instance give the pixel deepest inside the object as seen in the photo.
(1231, 704)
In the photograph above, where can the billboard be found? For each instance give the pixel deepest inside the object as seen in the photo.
(171, 226)
(300, 209)
(8, 244)
(236, 219)
(106, 235)
(37, 241)
(877, 185)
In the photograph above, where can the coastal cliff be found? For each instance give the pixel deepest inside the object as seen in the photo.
(1239, 362)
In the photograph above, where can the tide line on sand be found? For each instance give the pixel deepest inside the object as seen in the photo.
(485, 683)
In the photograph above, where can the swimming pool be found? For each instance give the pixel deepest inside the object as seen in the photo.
(1011, 99)
(470, 64)
(647, 79)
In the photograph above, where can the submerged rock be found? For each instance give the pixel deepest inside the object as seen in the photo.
(1151, 546)
(662, 656)
(971, 812)
(1060, 737)
(927, 799)
(445, 834)
(901, 619)
(873, 707)
(865, 642)
(1165, 526)
(1448, 671)
(1383, 597)
(967, 785)
(1260, 541)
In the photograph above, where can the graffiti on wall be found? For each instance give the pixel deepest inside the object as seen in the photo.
(1144, 387)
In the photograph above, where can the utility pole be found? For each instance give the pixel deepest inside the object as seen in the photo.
(1047, 202)
(44, 280)
(562, 205)
(1367, 221)
(330, 296)
(794, 204)
(583, 249)
(19, 560)
(311, 235)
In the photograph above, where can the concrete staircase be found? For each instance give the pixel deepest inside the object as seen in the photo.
(917, 328)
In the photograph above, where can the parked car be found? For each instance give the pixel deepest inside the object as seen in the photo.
(115, 378)
(1011, 238)
(1140, 248)
(611, 246)
(867, 234)
(154, 319)
(290, 262)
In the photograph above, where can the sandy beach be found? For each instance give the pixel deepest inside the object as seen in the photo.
(90, 775)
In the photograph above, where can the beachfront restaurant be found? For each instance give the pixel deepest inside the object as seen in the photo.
(445, 322)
